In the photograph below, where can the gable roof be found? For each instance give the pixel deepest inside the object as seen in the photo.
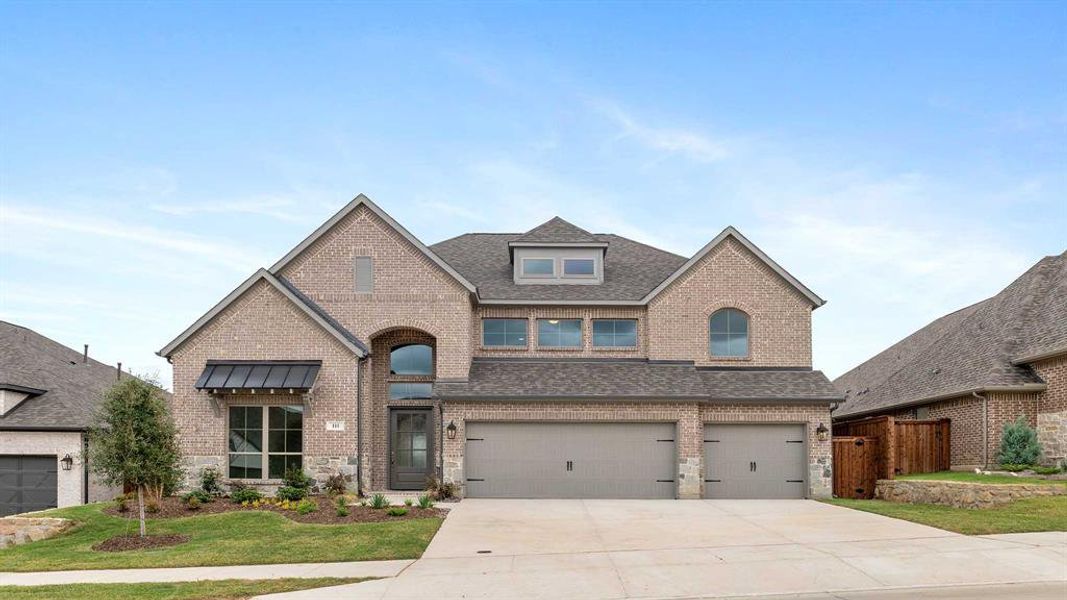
(974, 349)
(317, 314)
(362, 200)
(64, 388)
(556, 231)
(730, 232)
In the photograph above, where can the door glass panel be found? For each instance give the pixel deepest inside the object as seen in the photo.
(418, 422)
(403, 422)
(418, 441)
(418, 459)
(403, 458)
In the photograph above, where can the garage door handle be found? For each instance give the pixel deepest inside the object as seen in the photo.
(570, 465)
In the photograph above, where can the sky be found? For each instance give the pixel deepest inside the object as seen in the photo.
(903, 160)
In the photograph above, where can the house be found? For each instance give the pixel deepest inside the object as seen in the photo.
(981, 367)
(551, 363)
(47, 396)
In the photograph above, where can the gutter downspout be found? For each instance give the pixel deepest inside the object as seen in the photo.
(985, 428)
(359, 425)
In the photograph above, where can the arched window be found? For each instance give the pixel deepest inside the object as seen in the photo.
(729, 333)
(411, 359)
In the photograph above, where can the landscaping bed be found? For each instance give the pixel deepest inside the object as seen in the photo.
(326, 512)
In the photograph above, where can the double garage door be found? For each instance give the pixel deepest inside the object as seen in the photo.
(629, 460)
(27, 483)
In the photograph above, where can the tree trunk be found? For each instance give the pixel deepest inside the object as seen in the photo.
(140, 506)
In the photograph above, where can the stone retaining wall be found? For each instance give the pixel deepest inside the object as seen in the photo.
(19, 530)
(959, 494)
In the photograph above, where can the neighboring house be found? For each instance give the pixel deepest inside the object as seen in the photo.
(553, 363)
(981, 366)
(48, 393)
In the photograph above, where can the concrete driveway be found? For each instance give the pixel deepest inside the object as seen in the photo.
(698, 549)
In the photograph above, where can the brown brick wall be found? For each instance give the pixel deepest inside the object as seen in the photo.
(731, 276)
(965, 413)
(586, 313)
(263, 325)
(409, 289)
(689, 418)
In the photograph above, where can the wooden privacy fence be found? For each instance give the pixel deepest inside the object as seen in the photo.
(903, 447)
(855, 466)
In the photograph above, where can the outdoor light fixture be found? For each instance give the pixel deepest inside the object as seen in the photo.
(451, 430)
(68, 462)
(822, 432)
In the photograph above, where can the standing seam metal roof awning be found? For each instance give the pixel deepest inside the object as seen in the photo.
(259, 375)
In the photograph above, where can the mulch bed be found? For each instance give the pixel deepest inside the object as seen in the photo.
(174, 508)
(123, 543)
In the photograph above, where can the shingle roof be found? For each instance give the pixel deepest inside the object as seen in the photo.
(611, 379)
(556, 230)
(72, 388)
(631, 270)
(967, 350)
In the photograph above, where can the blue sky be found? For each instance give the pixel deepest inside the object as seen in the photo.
(903, 160)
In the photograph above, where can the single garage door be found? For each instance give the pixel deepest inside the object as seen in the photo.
(570, 460)
(27, 483)
(755, 461)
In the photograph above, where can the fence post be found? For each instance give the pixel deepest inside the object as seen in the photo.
(891, 447)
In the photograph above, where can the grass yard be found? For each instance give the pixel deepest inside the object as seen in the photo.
(1022, 516)
(972, 477)
(193, 590)
(236, 538)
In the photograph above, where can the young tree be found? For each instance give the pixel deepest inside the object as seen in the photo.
(133, 440)
(1019, 444)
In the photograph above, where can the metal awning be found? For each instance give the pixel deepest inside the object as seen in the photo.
(223, 376)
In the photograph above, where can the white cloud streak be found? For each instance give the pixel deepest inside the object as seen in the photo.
(692, 145)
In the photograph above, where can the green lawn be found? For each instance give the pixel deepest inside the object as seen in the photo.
(194, 590)
(234, 538)
(1022, 516)
(972, 477)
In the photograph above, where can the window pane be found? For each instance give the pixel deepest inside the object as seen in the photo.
(626, 339)
(603, 340)
(276, 441)
(720, 344)
(578, 266)
(516, 338)
(559, 333)
(719, 322)
(413, 359)
(603, 326)
(276, 417)
(494, 325)
(738, 322)
(418, 441)
(410, 391)
(237, 417)
(294, 441)
(538, 266)
(246, 466)
(418, 459)
(738, 345)
(503, 332)
(494, 339)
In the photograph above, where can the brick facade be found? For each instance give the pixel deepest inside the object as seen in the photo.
(585, 313)
(1052, 409)
(70, 485)
(730, 276)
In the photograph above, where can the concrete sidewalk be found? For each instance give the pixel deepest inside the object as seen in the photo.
(380, 568)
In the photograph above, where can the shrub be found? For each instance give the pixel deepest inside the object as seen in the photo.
(1018, 444)
(396, 511)
(151, 505)
(296, 478)
(290, 493)
(201, 496)
(306, 506)
(122, 503)
(337, 484)
(342, 506)
(210, 482)
(425, 501)
(1046, 470)
(1014, 468)
(193, 502)
(408, 502)
(245, 495)
(440, 490)
(379, 501)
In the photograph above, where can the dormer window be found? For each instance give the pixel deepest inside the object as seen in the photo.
(579, 267)
(558, 253)
(538, 267)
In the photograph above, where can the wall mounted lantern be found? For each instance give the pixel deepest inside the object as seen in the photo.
(451, 430)
(822, 432)
(68, 462)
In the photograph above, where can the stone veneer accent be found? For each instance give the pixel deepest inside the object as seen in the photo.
(1052, 409)
(959, 494)
(689, 418)
(20, 530)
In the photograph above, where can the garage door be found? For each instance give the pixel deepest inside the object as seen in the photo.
(27, 483)
(755, 461)
(570, 460)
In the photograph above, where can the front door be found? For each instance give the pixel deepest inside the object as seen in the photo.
(410, 448)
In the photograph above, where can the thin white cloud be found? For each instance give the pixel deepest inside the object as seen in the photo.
(693, 145)
(282, 209)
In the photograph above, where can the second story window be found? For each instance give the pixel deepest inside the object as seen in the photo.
(538, 267)
(729, 333)
(559, 333)
(614, 333)
(411, 359)
(504, 332)
(579, 267)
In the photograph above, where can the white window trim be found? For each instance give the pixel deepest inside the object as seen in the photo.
(522, 268)
(264, 441)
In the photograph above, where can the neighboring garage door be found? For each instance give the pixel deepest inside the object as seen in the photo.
(570, 460)
(755, 461)
(27, 483)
